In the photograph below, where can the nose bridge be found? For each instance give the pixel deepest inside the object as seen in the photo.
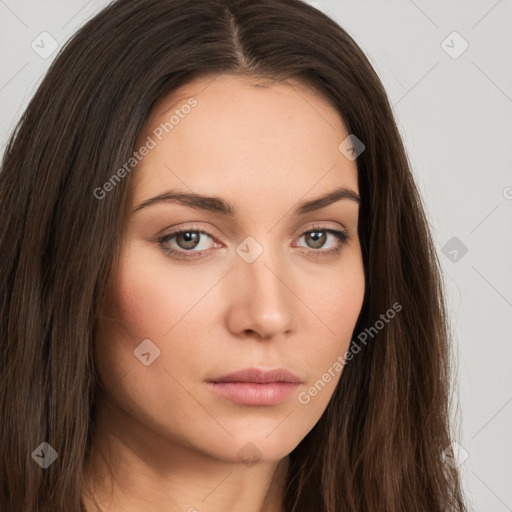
(264, 301)
(266, 278)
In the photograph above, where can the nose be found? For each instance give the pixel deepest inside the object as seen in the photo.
(262, 301)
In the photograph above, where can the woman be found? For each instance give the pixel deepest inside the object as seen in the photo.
(219, 289)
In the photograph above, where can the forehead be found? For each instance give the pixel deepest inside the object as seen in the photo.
(229, 137)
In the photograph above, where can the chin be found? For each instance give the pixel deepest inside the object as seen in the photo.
(248, 448)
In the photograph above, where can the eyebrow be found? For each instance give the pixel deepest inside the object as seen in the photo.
(223, 207)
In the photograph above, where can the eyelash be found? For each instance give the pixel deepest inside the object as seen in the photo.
(342, 236)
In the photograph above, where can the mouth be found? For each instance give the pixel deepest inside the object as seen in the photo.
(253, 386)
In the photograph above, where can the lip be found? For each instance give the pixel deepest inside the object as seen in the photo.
(254, 386)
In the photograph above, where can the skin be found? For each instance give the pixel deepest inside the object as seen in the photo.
(170, 442)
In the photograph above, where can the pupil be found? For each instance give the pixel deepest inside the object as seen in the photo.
(191, 239)
(319, 241)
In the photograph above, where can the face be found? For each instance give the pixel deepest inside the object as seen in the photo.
(250, 282)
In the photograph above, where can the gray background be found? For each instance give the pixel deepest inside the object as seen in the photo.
(455, 115)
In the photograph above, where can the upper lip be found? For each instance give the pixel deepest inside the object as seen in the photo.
(259, 376)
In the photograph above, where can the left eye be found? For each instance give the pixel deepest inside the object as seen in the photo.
(319, 236)
(188, 240)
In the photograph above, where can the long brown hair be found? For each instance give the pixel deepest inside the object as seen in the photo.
(378, 445)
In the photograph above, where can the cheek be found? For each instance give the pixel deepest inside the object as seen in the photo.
(153, 297)
(337, 303)
(336, 307)
(150, 304)
(156, 301)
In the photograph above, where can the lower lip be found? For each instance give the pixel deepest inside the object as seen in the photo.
(253, 393)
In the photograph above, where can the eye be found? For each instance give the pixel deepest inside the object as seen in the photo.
(188, 239)
(317, 237)
(189, 242)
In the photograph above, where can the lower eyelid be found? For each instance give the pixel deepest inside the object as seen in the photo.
(334, 232)
(342, 236)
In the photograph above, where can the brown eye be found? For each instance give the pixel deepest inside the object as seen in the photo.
(316, 239)
(183, 243)
(188, 239)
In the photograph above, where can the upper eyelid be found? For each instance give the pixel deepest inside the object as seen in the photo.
(325, 225)
(342, 235)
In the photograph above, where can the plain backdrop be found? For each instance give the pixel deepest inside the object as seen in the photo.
(446, 66)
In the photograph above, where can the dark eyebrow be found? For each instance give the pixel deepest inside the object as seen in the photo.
(325, 200)
(219, 205)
